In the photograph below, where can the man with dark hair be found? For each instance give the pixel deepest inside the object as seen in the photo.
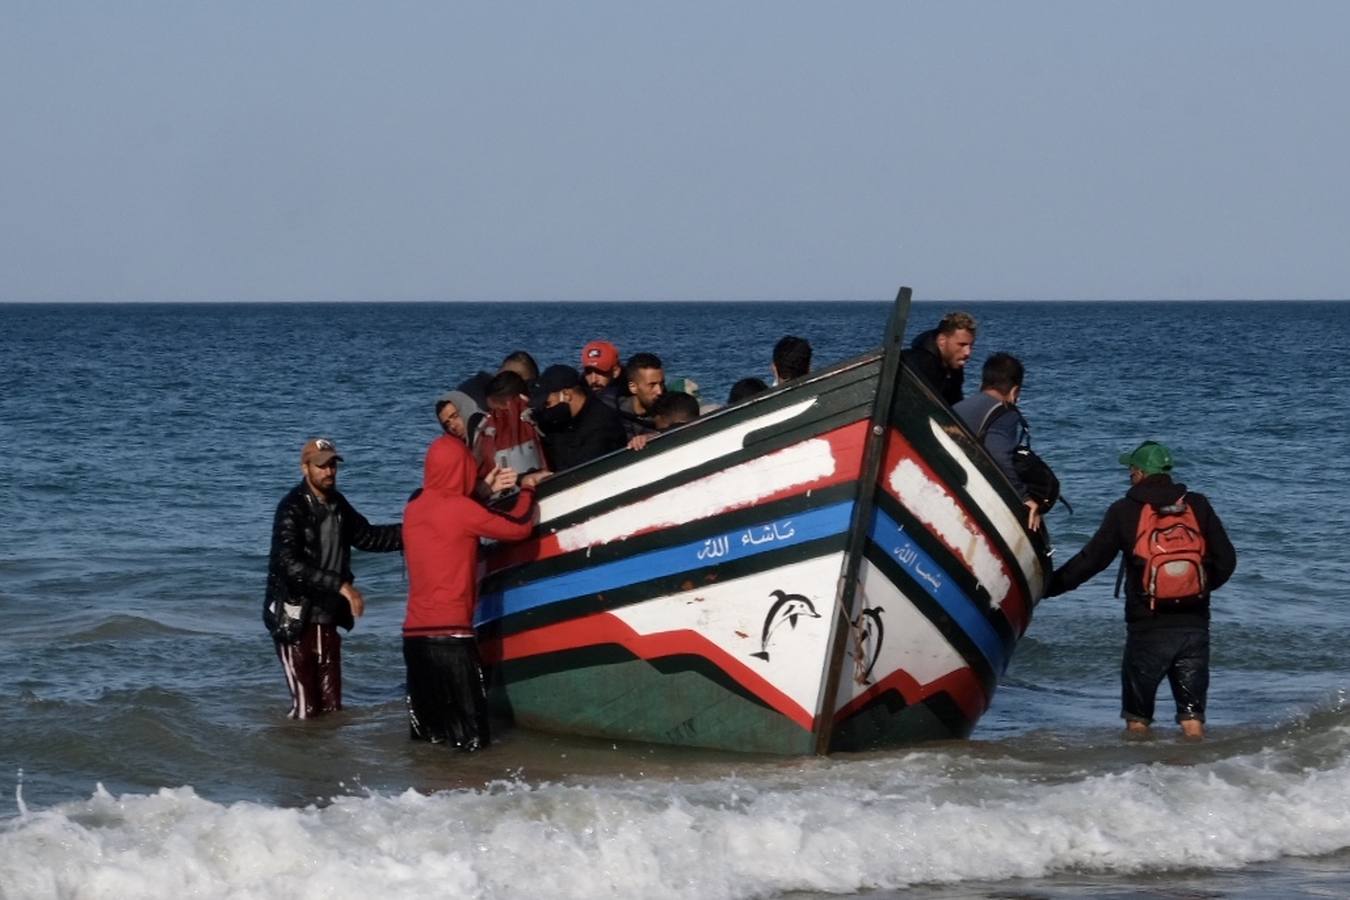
(577, 428)
(522, 364)
(310, 589)
(993, 416)
(646, 382)
(745, 389)
(791, 359)
(503, 386)
(507, 440)
(1176, 552)
(939, 355)
(671, 410)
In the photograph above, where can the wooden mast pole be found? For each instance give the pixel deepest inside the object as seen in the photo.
(861, 521)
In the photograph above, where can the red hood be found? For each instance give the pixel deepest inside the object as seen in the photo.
(450, 468)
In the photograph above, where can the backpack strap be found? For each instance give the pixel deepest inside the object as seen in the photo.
(990, 417)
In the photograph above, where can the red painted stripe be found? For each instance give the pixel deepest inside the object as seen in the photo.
(1014, 606)
(962, 686)
(604, 628)
(846, 444)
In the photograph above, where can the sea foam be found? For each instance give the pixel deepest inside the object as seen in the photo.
(836, 827)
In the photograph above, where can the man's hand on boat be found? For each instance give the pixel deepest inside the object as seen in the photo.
(638, 441)
(1033, 515)
(532, 479)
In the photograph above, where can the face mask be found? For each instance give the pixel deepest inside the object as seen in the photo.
(554, 418)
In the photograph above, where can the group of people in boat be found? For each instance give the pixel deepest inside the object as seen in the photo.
(505, 432)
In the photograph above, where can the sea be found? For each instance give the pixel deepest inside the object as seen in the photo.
(145, 750)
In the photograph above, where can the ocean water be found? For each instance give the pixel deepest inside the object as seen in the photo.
(143, 741)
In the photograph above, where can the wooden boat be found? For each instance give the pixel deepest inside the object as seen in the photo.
(833, 565)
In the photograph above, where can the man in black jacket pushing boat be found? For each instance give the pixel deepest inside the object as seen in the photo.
(1176, 552)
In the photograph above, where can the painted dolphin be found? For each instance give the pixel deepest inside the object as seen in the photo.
(869, 625)
(787, 608)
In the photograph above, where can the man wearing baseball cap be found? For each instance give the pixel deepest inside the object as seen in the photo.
(310, 589)
(600, 365)
(1165, 635)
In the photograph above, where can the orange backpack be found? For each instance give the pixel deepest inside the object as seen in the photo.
(1172, 547)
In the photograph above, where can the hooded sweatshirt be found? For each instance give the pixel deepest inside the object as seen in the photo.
(441, 528)
(1116, 535)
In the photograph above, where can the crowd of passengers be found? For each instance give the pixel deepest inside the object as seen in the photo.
(522, 425)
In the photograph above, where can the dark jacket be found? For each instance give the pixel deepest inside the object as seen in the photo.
(593, 432)
(633, 424)
(923, 359)
(1117, 535)
(293, 574)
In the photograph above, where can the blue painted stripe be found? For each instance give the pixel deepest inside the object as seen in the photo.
(891, 539)
(724, 547)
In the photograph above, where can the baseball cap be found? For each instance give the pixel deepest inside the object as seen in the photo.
(1150, 457)
(318, 451)
(600, 355)
(554, 379)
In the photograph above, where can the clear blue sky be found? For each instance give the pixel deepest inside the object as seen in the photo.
(690, 150)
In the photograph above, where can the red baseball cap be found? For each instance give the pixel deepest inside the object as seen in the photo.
(600, 355)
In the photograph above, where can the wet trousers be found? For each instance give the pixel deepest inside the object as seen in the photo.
(1182, 655)
(313, 667)
(447, 694)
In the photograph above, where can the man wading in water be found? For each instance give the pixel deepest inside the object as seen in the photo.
(1176, 551)
(309, 579)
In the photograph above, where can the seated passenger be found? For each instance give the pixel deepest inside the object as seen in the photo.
(939, 355)
(745, 389)
(646, 382)
(791, 359)
(507, 439)
(671, 410)
(454, 411)
(522, 364)
(601, 371)
(576, 427)
(993, 416)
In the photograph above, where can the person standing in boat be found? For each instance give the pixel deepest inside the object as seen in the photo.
(446, 690)
(577, 428)
(310, 589)
(1166, 534)
(939, 355)
(993, 416)
(791, 358)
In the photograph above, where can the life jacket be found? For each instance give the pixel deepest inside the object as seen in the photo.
(1171, 546)
(506, 439)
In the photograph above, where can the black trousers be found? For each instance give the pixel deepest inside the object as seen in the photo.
(447, 694)
(1181, 654)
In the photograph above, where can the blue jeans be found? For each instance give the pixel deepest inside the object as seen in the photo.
(1182, 654)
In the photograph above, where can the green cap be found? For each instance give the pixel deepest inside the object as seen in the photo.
(1150, 457)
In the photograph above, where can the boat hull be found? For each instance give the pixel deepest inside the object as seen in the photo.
(804, 573)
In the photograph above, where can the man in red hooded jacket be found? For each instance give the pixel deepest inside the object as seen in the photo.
(447, 695)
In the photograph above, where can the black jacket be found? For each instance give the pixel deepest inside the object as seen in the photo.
(293, 573)
(1117, 534)
(593, 432)
(923, 359)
